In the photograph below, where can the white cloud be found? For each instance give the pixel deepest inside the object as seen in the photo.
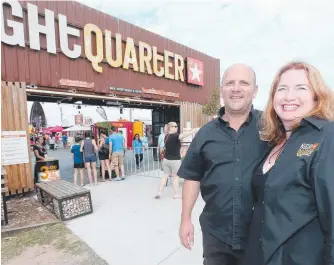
(263, 34)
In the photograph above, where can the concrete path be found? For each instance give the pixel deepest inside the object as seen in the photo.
(130, 227)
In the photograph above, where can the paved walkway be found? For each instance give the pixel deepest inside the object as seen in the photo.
(130, 227)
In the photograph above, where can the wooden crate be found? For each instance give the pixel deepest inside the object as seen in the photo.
(14, 117)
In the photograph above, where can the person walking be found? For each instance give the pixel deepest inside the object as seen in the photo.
(138, 149)
(220, 163)
(172, 157)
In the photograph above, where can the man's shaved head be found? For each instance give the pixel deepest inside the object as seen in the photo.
(239, 65)
(238, 88)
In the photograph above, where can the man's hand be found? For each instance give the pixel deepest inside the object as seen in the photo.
(186, 234)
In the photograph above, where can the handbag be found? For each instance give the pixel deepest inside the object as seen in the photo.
(163, 150)
(104, 149)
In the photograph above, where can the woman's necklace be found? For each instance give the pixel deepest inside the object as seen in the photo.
(268, 165)
(279, 151)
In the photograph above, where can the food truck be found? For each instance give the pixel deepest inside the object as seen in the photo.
(128, 128)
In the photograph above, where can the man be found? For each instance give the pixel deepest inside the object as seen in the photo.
(116, 152)
(220, 163)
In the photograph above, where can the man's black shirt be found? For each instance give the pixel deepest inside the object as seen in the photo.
(223, 160)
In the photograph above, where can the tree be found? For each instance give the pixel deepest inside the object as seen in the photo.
(211, 108)
(105, 125)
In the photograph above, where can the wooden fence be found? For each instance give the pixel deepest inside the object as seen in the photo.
(14, 117)
(192, 112)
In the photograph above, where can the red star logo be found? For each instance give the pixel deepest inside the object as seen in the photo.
(195, 71)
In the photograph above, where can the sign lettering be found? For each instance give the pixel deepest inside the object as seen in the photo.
(142, 58)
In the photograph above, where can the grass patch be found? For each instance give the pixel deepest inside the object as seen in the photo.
(58, 236)
(13, 246)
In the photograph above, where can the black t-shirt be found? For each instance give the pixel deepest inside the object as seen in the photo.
(41, 151)
(172, 146)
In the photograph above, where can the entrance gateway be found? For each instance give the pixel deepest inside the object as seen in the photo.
(60, 49)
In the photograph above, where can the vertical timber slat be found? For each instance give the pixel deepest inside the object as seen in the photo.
(192, 112)
(14, 117)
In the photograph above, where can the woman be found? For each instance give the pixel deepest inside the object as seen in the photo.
(293, 186)
(104, 156)
(138, 148)
(89, 147)
(40, 154)
(172, 157)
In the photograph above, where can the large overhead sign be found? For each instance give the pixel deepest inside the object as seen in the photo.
(142, 58)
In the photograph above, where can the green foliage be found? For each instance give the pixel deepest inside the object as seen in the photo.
(211, 108)
(104, 124)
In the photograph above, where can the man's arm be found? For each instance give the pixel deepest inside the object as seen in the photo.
(190, 194)
(192, 170)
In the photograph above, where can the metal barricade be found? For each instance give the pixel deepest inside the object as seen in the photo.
(149, 164)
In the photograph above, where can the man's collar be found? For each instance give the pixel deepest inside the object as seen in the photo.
(317, 122)
(221, 113)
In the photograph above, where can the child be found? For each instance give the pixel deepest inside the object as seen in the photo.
(78, 161)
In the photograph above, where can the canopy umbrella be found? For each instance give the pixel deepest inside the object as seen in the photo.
(78, 128)
(56, 129)
(46, 130)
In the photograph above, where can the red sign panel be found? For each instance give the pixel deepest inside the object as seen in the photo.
(195, 71)
(159, 92)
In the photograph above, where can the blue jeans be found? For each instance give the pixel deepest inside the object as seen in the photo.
(91, 158)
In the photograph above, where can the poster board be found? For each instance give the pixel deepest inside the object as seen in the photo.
(14, 148)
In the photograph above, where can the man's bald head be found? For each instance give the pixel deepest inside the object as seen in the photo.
(238, 88)
(240, 66)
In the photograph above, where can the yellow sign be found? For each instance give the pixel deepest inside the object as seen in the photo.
(141, 57)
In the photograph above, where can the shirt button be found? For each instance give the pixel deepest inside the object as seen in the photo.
(236, 178)
(263, 202)
(237, 159)
(238, 142)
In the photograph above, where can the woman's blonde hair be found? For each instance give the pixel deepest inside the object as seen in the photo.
(272, 127)
(170, 124)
